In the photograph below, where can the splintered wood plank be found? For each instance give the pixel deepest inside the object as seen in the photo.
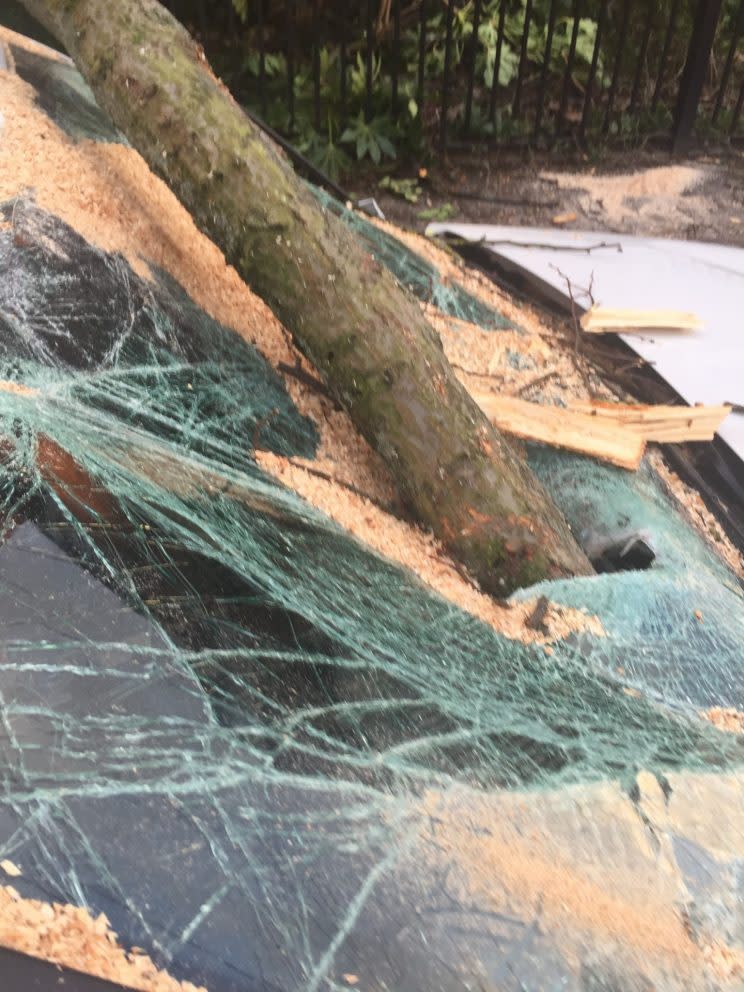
(609, 320)
(562, 428)
(660, 423)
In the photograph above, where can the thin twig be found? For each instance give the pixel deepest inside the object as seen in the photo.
(508, 201)
(480, 375)
(297, 372)
(589, 294)
(537, 382)
(574, 315)
(579, 249)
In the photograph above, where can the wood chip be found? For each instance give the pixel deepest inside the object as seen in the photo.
(562, 428)
(560, 219)
(10, 869)
(658, 422)
(607, 320)
(725, 718)
(72, 937)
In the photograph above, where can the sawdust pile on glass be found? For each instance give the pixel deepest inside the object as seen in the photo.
(69, 936)
(107, 193)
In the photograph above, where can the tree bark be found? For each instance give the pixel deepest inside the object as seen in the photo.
(364, 333)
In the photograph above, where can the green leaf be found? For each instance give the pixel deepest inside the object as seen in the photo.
(241, 9)
(443, 212)
(387, 147)
(408, 189)
(586, 39)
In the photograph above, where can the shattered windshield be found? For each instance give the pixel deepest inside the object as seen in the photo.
(277, 758)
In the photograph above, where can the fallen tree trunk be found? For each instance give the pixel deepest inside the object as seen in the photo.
(365, 335)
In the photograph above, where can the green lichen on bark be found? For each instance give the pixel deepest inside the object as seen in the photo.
(365, 335)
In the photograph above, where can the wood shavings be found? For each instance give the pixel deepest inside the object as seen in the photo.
(725, 718)
(564, 428)
(534, 363)
(562, 219)
(691, 504)
(500, 867)
(648, 193)
(70, 936)
(392, 538)
(10, 869)
(658, 422)
(603, 320)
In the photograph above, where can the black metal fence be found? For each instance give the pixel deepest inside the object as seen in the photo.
(448, 72)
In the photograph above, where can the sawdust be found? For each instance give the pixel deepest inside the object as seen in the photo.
(593, 871)
(692, 506)
(391, 538)
(107, 193)
(507, 361)
(501, 865)
(665, 192)
(726, 963)
(534, 365)
(69, 936)
(451, 268)
(725, 718)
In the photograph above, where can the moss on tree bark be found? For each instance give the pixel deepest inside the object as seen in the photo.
(364, 333)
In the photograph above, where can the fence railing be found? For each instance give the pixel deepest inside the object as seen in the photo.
(366, 76)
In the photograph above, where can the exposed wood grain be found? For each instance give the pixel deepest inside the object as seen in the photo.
(608, 320)
(562, 428)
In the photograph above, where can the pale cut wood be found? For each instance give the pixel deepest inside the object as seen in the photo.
(609, 320)
(562, 428)
(660, 423)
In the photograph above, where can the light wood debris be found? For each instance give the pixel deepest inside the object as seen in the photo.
(70, 936)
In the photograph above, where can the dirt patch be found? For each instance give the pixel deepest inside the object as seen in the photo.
(498, 186)
(71, 937)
